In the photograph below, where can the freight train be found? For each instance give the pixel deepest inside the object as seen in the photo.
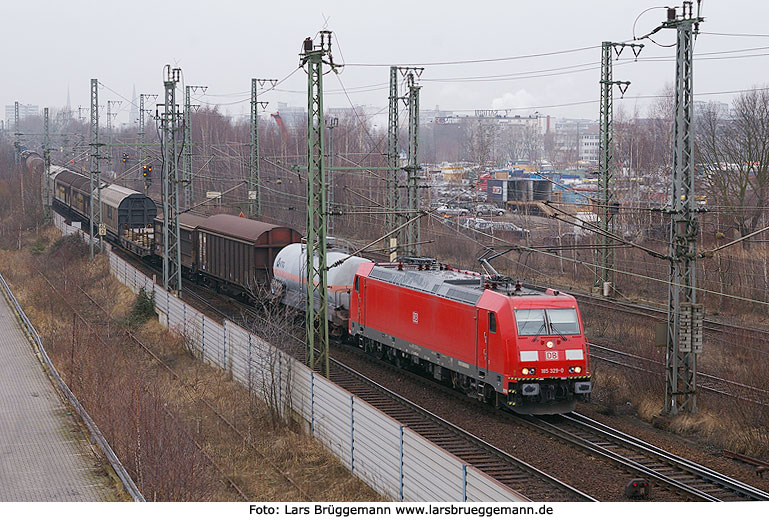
(231, 254)
(490, 337)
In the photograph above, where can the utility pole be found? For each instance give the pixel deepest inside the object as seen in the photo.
(47, 170)
(140, 144)
(189, 190)
(414, 229)
(110, 114)
(95, 214)
(172, 272)
(316, 304)
(331, 124)
(16, 133)
(187, 148)
(685, 315)
(254, 180)
(607, 206)
(392, 220)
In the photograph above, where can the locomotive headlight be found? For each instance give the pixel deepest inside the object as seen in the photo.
(549, 344)
(525, 371)
(578, 369)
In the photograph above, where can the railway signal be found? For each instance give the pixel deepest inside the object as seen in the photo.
(147, 171)
(125, 158)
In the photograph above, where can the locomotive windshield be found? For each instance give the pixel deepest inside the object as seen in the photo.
(552, 321)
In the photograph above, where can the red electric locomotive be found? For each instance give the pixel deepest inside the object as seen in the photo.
(490, 337)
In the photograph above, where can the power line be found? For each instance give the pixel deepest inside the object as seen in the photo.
(480, 60)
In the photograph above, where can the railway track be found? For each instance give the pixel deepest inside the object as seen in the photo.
(705, 381)
(665, 470)
(710, 325)
(529, 481)
(662, 468)
(503, 467)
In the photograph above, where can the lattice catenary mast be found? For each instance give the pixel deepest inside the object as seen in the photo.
(172, 273)
(316, 303)
(95, 213)
(47, 170)
(685, 315)
(254, 179)
(607, 206)
(392, 220)
(413, 230)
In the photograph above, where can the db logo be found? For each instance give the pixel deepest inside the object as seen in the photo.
(496, 190)
(551, 356)
(415, 317)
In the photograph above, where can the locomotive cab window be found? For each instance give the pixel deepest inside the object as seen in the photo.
(563, 321)
(530, 322)
(552, 321)
(492, 322)
(356, 283)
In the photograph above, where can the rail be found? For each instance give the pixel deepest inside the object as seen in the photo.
(707, 382)
(667, 469)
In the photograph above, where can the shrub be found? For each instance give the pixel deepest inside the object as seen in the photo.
(143, 309)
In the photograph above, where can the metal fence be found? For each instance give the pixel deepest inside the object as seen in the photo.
(96, 435)
(394, 460)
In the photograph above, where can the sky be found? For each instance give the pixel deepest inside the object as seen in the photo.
(51, 46)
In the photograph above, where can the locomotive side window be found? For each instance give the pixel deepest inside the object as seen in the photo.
(356, 283)
(492, 322)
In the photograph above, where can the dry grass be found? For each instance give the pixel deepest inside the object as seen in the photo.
(149, 416)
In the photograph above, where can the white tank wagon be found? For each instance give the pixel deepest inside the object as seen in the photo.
(290, 280)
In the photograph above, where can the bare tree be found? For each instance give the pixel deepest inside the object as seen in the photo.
(735, 154)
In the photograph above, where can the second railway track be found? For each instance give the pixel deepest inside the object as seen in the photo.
(663, 468)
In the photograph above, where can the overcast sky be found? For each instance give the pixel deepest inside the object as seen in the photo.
(52, 45)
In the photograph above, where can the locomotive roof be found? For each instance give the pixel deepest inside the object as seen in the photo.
(456, 285)
(234, 226)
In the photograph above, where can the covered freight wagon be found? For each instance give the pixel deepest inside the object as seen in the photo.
(235, 251)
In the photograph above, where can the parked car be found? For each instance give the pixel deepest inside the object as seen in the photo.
(488, 210)
(452, 211)
(511, 227)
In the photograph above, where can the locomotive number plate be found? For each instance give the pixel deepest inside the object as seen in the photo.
(551, 356)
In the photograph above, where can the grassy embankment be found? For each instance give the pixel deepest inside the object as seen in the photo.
(174, 445)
